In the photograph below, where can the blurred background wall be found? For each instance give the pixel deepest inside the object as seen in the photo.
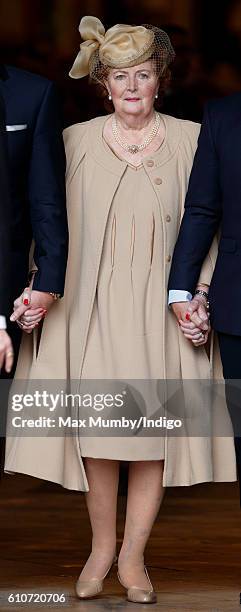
(42, 36)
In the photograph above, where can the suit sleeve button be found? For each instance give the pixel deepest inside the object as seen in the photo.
(168, 218)
(150, 163)
(168, 258)
(158, 181)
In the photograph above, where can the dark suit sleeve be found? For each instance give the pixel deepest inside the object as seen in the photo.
(5, 224)
(202, 213)
(48, 198)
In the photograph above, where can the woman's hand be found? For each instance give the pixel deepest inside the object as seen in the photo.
(31, 319)
(194, 333)
(194, 311)
(197, 328)
(30, 308)
(193, 318)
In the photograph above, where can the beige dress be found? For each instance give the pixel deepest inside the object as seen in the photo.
(125, 334)
(95, 181)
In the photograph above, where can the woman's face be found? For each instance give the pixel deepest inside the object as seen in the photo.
(133, 89)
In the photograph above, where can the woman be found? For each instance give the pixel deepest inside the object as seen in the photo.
(127, 176)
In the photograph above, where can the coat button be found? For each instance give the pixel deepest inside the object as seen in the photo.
(158, 181)
(168, 258)
(150, 163)
(168, 218)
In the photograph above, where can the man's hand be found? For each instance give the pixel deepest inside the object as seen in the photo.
(30, 308)
(6, 351)
(193, 319)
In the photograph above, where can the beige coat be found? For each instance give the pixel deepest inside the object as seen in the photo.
(91, 185)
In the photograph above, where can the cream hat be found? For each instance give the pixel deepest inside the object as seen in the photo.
(121, 46)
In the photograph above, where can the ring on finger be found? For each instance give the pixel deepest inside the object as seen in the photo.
(198, 340)
(198, 337)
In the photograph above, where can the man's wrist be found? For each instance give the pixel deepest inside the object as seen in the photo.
(178, 295)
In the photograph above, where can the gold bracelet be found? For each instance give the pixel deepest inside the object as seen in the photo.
(56, 296)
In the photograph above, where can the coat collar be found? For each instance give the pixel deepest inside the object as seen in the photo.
(102, 154)
(107, 159)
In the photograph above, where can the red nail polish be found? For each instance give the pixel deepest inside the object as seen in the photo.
(26, 302)
(188, 316)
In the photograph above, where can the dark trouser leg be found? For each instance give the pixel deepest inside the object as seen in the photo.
(230, 350)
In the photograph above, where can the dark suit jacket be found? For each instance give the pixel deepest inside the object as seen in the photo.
(214, 200)
(5, 221)
(37, 179)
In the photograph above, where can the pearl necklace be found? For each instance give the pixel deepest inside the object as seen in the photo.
(135, 148)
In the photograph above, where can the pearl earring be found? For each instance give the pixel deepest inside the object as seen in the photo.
(109, 97)
(156, 96)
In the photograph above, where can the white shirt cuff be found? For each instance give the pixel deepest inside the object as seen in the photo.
(177, 295)
(3, 323)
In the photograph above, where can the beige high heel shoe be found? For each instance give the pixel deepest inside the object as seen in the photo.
(138, 595)
(92, 587)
